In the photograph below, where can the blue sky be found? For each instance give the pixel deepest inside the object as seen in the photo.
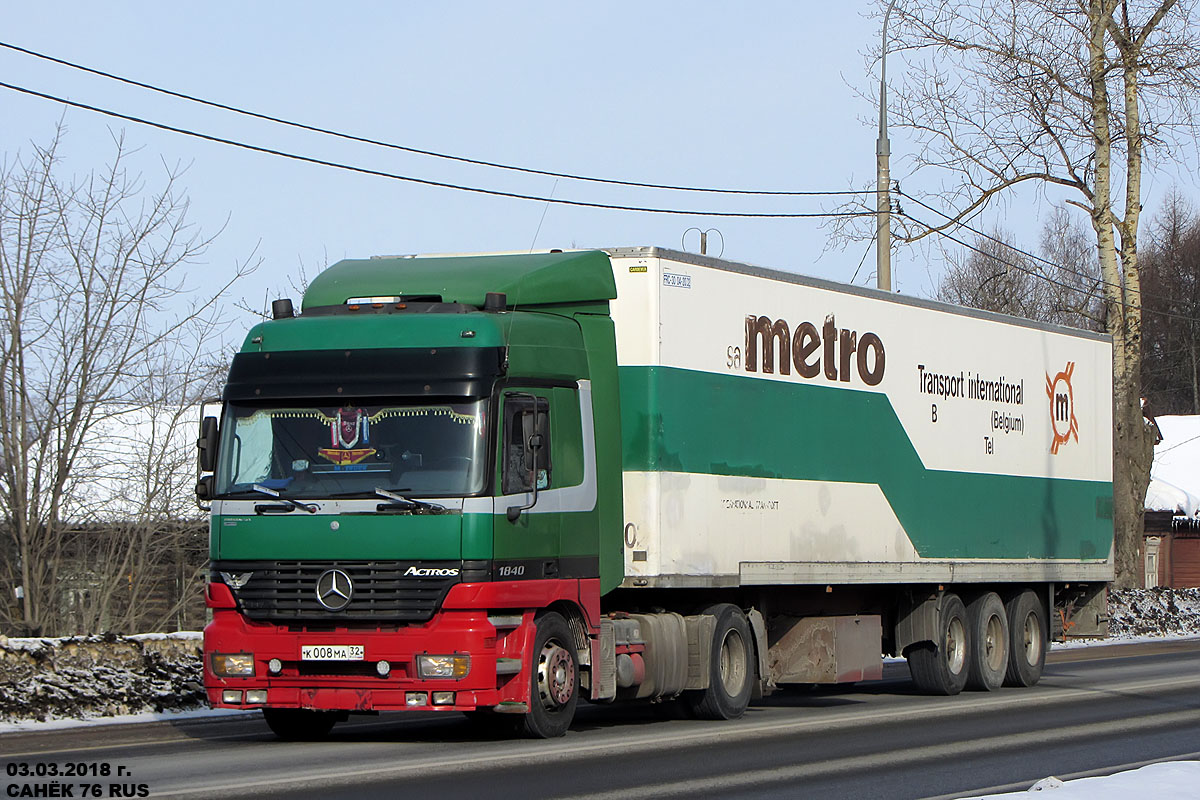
(698, 93)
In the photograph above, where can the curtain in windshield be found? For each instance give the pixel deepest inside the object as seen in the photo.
(327, 451)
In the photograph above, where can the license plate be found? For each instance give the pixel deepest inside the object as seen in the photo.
(331, 652)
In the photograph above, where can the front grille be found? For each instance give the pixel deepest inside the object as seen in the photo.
(342, 669)
(284, 591)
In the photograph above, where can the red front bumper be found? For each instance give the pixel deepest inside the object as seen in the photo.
(356, 685)
(460, 627)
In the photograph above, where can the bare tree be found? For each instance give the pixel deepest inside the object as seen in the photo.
(1063, 95)
(1060, 286)
(1171, 282)
(995, 277)
(92, 306)
(135, 543)
(1071, 271)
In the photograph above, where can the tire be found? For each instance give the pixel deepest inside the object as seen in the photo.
(299, 725)
(990, 642)
(555, 679)
(732, 671)
(1027, 631)
(941, 667)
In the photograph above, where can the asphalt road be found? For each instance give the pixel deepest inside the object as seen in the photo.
(1097, 710)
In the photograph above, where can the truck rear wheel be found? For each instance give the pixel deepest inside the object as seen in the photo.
(989, 639)
(1027, 639)
(299, 725)
(555, 679)
(940, 667)
(732, 672)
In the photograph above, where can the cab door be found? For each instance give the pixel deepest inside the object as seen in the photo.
(527, 525)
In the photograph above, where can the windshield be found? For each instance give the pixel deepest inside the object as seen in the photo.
(352, 450)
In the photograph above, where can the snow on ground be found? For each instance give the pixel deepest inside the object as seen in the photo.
(59, 723)
(99, 676)
(1154, 612)
(1169, 780)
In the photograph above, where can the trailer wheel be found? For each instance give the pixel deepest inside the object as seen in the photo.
(1027, 639)
(732, 671)
(940, 667)
(989, 637)
(555, 679)
(299, 725)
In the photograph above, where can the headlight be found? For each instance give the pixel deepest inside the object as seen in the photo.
(233, 665)
(455, 666)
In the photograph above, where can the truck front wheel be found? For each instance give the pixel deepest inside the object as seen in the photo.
(940, 667)
(299, 725)
(731, 675)
(555, 679)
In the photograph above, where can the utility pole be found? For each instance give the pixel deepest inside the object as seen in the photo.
(883, 151)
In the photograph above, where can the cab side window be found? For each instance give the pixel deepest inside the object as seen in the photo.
(526, 429)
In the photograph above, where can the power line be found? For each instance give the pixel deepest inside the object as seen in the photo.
(416, 150)
(424, 181)
(1036, 273)
(1177, 444)
(1027, 254)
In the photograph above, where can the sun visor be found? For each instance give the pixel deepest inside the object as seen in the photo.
(383, 372)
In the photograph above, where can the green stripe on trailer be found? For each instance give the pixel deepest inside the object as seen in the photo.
(676, 420)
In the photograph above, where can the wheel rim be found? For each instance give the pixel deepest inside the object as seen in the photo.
(1032, 639)
(956, 645)
(993, 644)
(733, 663)
(555, 676)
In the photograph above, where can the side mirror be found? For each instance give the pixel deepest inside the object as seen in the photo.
(533, 447)
(204, 489)
(207, 444)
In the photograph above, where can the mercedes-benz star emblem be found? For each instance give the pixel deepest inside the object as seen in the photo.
(334, 589)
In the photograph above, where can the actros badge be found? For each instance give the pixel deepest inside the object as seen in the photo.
(334, 589)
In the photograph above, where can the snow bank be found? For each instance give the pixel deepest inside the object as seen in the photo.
(1170, 780)
(99, 676)
(1153, 612)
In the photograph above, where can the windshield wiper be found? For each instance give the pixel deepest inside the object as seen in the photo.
(405, 502)
(310, 508)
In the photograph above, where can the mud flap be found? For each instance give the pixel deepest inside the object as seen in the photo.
(758, 627)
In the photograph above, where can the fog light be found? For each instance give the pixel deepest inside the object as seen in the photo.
(275, 666)
(415, 699)
(233, 665)
(231, 696)
(455, 666)
(256, 696)
(443, 698)
(383, 668)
